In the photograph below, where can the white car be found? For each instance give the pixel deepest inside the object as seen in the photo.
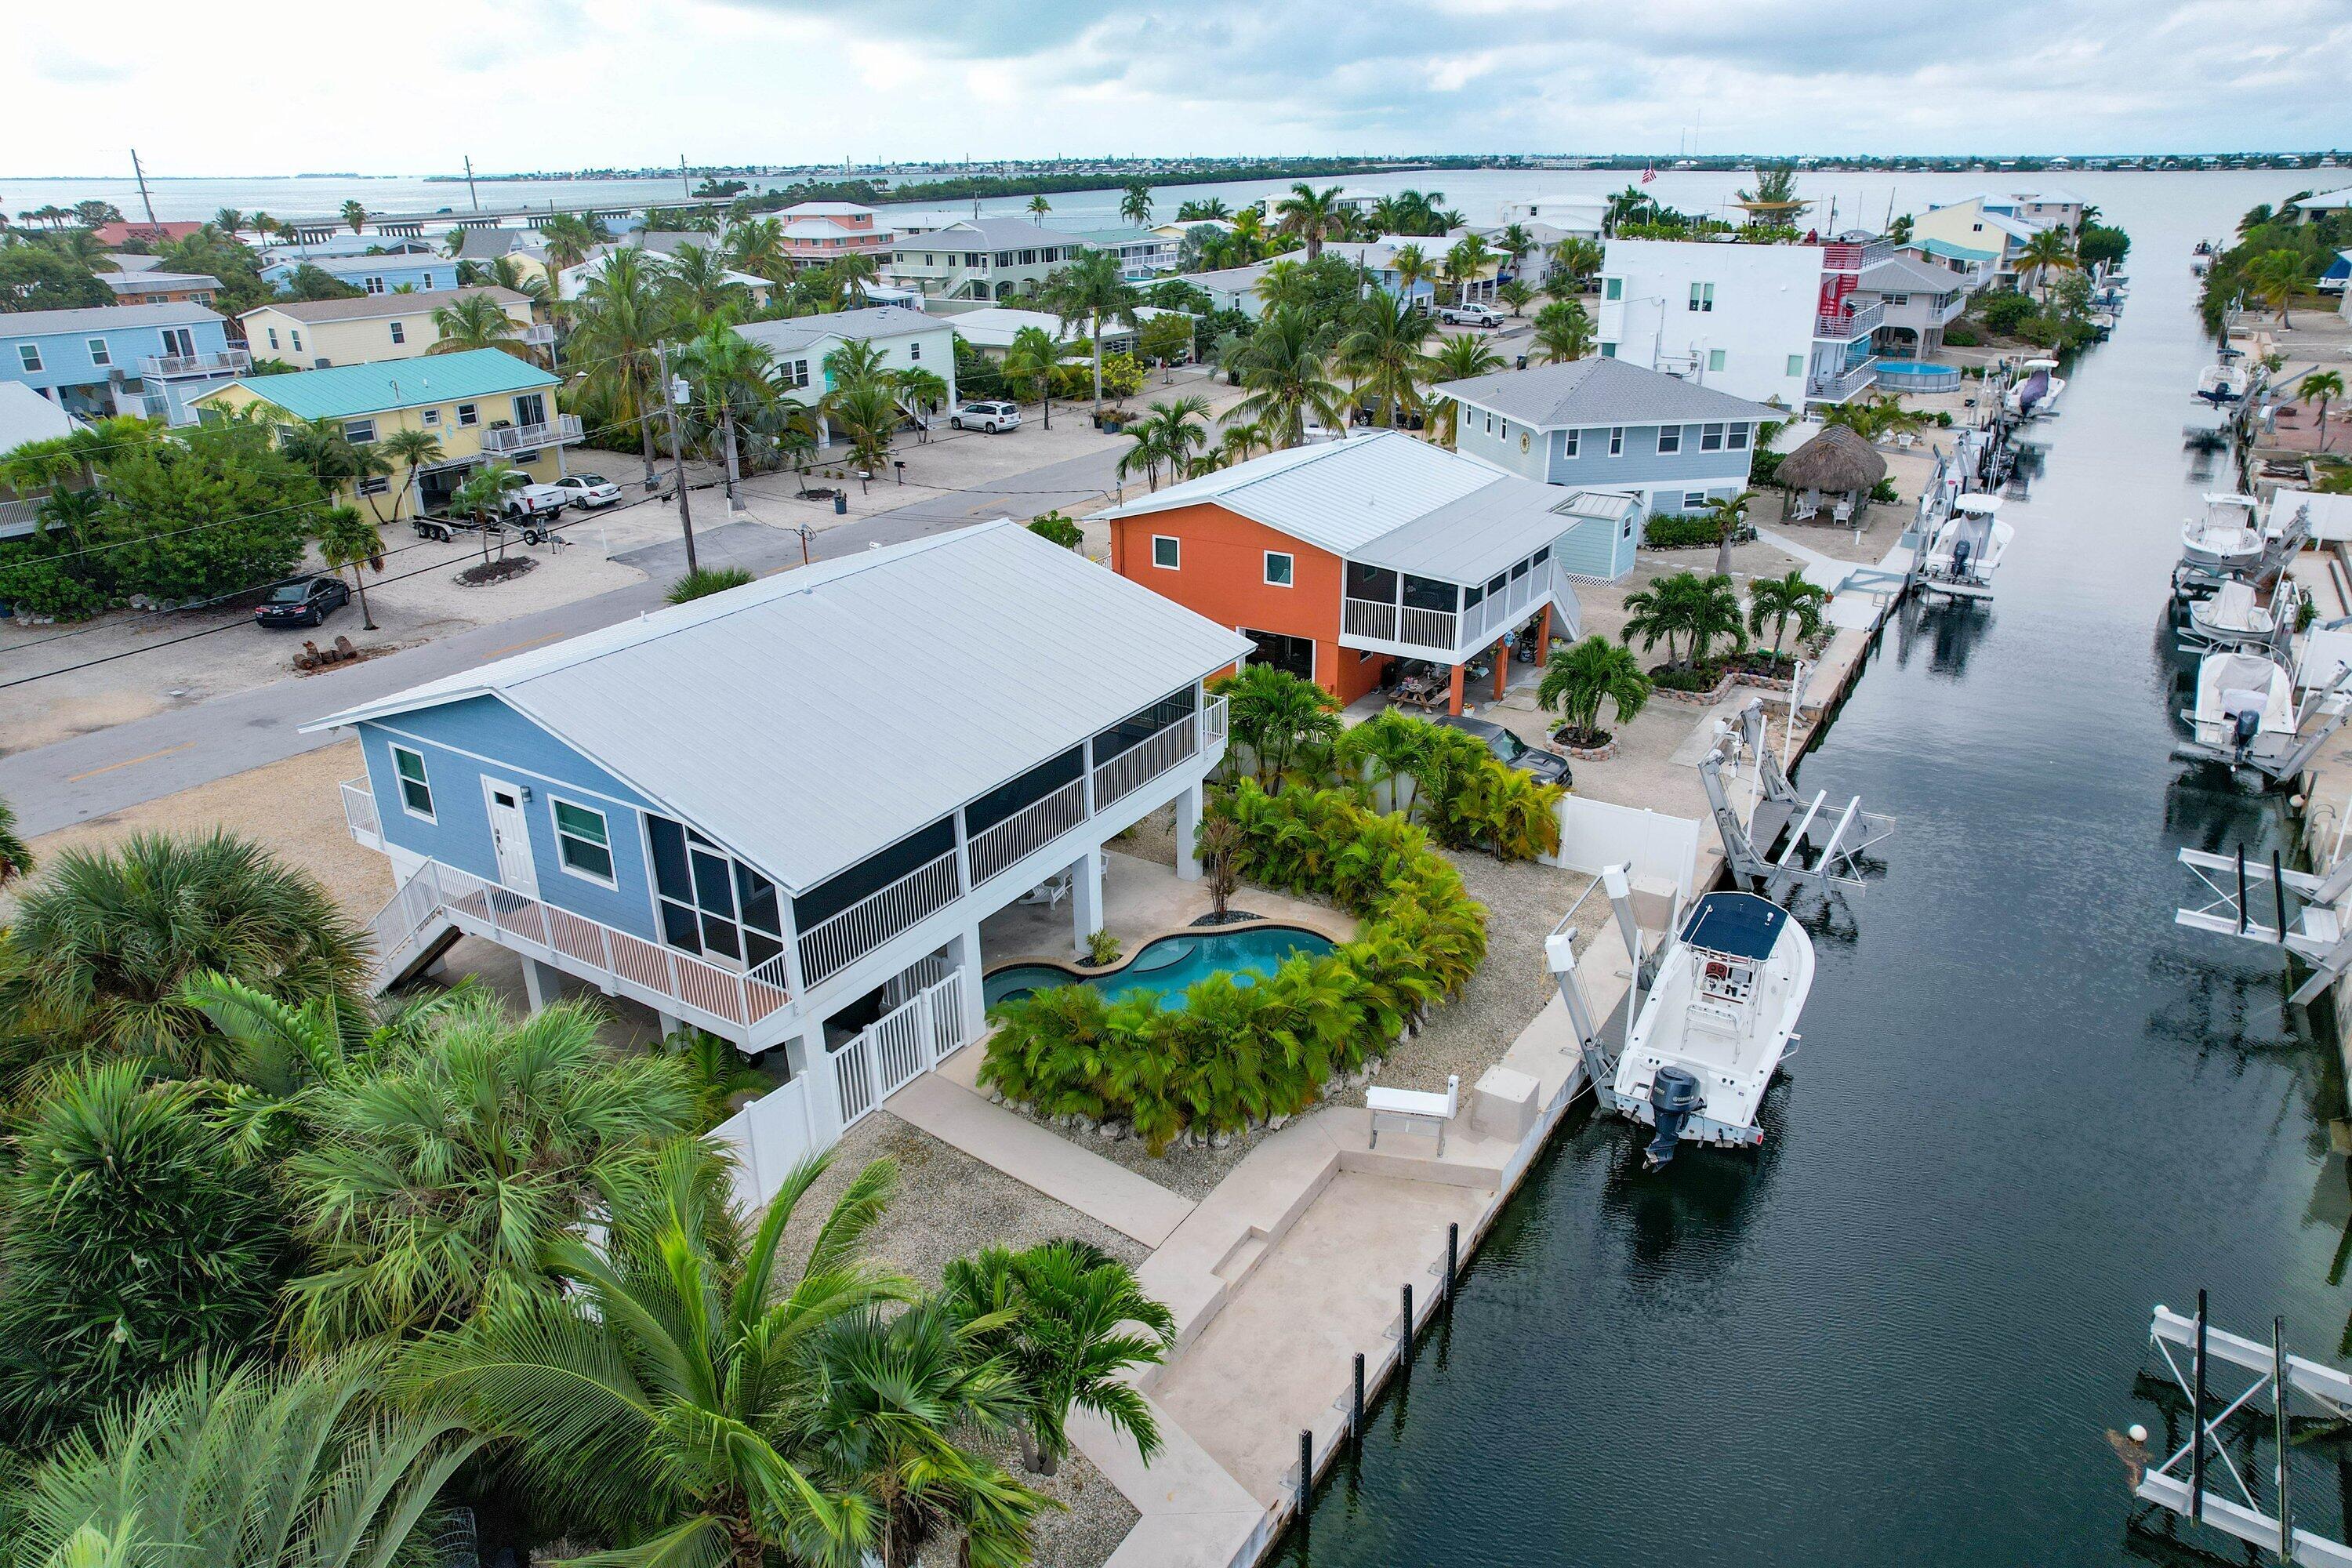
(991, 416)
(1470, 316)
(589, 491)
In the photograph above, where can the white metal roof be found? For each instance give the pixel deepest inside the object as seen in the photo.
(822, 714)
(25, 416)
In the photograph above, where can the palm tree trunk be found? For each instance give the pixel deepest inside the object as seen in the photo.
(359, 581)
(645, 433)
(1094, 319)
(727, 426)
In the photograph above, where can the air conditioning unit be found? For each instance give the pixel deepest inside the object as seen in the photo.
(322, 363)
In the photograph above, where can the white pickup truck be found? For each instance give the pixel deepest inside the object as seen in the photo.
(1470, 316)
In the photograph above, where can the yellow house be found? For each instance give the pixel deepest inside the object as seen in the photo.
(480, 405)
(318, 333)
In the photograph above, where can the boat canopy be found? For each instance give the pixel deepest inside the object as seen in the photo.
(2227, 498)
(1977, 505)
(1737, 925)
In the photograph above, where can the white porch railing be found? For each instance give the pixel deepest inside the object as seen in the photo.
(359, 810)
(1369, 618)
(1838, 388)
(1213, 724)
(562, 430)
(1431, 630)
(899, 1047)
(220, 362)
(835, 942)
(1843, 329)
(1027, 830)
(1140, 763)
(647, 972)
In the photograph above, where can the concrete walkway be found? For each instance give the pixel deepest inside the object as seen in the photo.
(954, 1114)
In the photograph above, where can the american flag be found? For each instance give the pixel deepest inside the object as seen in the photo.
(1649, 172)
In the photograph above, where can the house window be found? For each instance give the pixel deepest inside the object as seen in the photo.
(1898, 299)
(1608, 350)
(1796, 365)
(1694, 500)
(1714, 358)
(1702, 295)
(799, 373)
(415, 790)
(1616, 440)
(359, 432)
(1506, 429)
(273, 337)
(1568, 442)
(467, 415)
(1670, 439)
(1613, 288)
(1710, 437)
(399, 332)
(710, 904)
(582, 841)
(375, 485)
(100, 354)
(1490, 425)
(428, 281)
(1166, 552)
(374, 285)
(1278, 568)
(913, 352)
(432, 417)
(1739, 437)
(297, 339)
(30, 354)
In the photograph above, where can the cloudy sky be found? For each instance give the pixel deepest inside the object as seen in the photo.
(281, 86)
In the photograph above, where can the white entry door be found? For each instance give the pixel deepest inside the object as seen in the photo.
(511, 832)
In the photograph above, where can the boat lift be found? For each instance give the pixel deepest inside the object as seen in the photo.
(1781, 819)
(2193, 581)
(2270, 904)
(2200, 1480)
(2328, 704)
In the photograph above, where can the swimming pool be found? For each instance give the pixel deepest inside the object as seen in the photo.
(1168, 965)
(1917, 376)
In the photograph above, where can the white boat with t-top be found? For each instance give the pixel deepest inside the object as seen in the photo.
(2225, 539)
(2037, 389)
(2229, 617)
(1966, 549)
(1715, 1025)
(2246, 707)
(2224, 384)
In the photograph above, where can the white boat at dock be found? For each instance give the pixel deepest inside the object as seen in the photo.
(2036, 392)
(2245, 708)
(1966, 549)
(1715, 1027)
(2232, 617)
(2224, 384)
(2225, 539)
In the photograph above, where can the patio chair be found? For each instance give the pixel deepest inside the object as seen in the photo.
(1050, 891)
(1804, 507)
(1843, 513)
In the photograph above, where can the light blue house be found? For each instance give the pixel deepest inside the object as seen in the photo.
(1606, 426)
(802, 866)
(125, 359)
(376, 274)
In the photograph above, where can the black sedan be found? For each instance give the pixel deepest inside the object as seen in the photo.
(304, 602)
(1549, 766)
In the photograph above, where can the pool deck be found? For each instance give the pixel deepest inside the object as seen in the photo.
(1141, 902)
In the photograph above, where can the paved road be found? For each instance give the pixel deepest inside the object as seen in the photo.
(128, 765)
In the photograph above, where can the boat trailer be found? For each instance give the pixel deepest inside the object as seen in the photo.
(2267, 903)
(1816, 844)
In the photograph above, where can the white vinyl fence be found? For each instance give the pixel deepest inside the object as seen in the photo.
(1661, 849)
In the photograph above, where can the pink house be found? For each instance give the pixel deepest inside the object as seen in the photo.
(820, 231)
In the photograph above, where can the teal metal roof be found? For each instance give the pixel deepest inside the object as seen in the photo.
(1946, 248)
(344, 390)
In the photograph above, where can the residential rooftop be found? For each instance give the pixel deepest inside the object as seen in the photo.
(1586, 392)
(343, 391)
(797, 332)
(95, 317)
(27, 416)
(150, 282)
(373, 307)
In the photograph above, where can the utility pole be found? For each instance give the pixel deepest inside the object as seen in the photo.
(469, 182)
(144, 199)
(683, 183)
(677, 460)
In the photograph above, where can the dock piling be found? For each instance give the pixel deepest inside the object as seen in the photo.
(1453, 1257)
(1356, 1410)
(1404, 1335)
(1305, 1473)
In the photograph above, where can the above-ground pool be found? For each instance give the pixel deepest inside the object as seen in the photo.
(1168, 965)
(1916, 375)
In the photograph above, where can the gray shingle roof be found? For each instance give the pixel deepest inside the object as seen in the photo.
(489, 244)
(988, 233)
(372, 306)
(877, 322)
(136, 283)
(1901, 275)
(90, 318)
(1586, 392)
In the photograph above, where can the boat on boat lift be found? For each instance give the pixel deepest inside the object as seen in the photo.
(2232, 617)
(1966, 549)
(2246, 713)
(2224, 384)
(2037, 392)
(2226, 538)
(1715, 1024)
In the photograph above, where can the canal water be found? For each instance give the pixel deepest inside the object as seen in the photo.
(2028, 1109)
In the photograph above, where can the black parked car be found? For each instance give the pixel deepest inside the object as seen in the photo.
(1549, 766)
(304, 602)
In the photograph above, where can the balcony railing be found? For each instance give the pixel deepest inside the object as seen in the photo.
(360, 813)
(1844, 329)
(833, 943)
(1213, 724)
(1369, 618)
(20, 516)
(561, 431)
(1143, 762)
(539, 335)
(222, 361)
(1844, 385)
(996, 847)
(1447, 632)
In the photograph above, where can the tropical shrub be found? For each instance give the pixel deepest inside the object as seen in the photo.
(1578, 680)
(1058, 529)
(2007, 310)
(1666, 531)
(704, 580)
(1234, 1054)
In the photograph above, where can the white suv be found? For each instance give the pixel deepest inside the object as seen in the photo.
(992, 417)
(1470, 316)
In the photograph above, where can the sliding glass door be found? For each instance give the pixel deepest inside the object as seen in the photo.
(712, 905)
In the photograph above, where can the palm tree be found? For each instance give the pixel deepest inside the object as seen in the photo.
(432, 1186)
(1516, 294)
(350, 538)
(1464, 263)
(1039, 207)
(1309, 213)
(1057, 1315)
(356, 215)
(1384, 751)
(1276, 713)
(16, 856)
(1239, 441)
(756, 246)
(1285, 379)
(1135, 207)
(695, 277)
(1781, 600)
(727, 370)
(2049, 251)
(415, 450)
(1411, 266)
(1577, 678)
(2275, 278)
(1387, 352)
(1170, 435)
(676, 1395)
(1682, 607)
(303, 1466)
(1774, 199)
(1516, 243)
(1715, 613)
(2323, 385)
(1563, 332)
(1730, 516)
(118, 933)
(868, 412)
(475, 322)
(851, 273)
(1030, 360)
(229, 221)
(857, 359)
(624, 317)
(483, 498)
(1456, 359)
(1091, 289)
(1283, 285)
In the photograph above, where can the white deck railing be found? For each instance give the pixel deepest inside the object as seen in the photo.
(1143, 762)
(1213, 724)
(219, 362)
(1838, 388)
(649, 972)
(1369, 618)
(1027, 830)
(1432, 629)
(833, 943)
(359, 810)
(562, 430)
(1843, 329)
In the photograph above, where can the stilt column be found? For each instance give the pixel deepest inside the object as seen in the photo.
(1454, 693)
(1188, 829)
(1086, 897)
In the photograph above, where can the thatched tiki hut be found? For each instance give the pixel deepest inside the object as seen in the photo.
(1836, 464)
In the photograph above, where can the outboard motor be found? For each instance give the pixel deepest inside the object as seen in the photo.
(1960, 558)
(1674, 1095)
(2244, 726)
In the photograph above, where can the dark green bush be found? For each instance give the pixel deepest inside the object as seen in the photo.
(1666, 531)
